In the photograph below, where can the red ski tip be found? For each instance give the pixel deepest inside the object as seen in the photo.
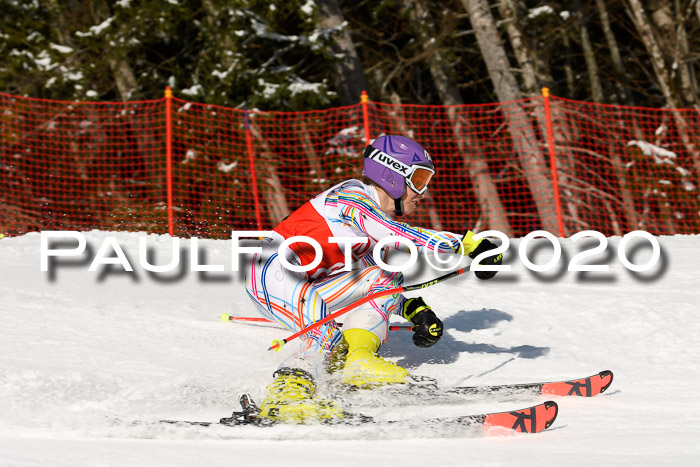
(531, 420)
(585, 387)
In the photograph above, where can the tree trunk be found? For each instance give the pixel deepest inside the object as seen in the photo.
(641, 22)
(404, 129)
(271, 188)
(492, 209)
(622, 83)
(568, 69)
(508, 11)
(123, 75)
(349, 78)
(589, 55)
(57, 22)
(221, 40)
(315, 162)
(524, 138)
(646, 32)
(672, 40)
(689, 84)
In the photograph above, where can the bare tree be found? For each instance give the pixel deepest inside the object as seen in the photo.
(271, 188)
(524, 137)
(568, 68)
(641, 21)
(492, 209)
(588, 54)
(124, 76)
(508, 10)
(673, 41)
(619, 67)
(349, 77)
(404, 129)
(318, 172)
(664, 78)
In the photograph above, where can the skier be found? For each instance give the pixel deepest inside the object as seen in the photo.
(396, 173)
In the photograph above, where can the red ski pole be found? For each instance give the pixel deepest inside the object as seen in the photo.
(278, 343)
(258, 319)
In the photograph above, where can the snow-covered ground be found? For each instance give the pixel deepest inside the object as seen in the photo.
(83, 354)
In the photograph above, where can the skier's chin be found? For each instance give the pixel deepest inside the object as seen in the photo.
(410, 207)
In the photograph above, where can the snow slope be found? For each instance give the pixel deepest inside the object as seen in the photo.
(82, 354)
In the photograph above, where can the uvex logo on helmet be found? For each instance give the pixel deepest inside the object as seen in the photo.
(387, 161)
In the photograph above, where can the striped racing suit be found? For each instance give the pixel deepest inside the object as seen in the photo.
(295, 300)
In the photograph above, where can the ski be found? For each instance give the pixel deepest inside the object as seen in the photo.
(528, 420)
(584, 387)
(533, 419)
(422, 390)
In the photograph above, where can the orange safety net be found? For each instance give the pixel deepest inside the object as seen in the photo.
(81, 166)
(203, 170)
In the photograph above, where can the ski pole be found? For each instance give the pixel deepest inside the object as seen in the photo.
(257, 319)
(225, 317)
(278, 343)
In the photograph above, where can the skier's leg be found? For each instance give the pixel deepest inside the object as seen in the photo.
(365, 328)
(343, 289)
(288, 298)
(292, 301)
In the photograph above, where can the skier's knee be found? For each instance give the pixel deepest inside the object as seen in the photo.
(368, 319)
(393, 278)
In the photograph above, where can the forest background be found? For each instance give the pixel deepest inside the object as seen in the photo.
(235, 64)
(300, 55)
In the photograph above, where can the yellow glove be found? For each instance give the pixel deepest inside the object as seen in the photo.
(474, 248)
(469, 243)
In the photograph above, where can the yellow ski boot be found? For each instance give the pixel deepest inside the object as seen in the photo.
(363, 368)
(290, 398)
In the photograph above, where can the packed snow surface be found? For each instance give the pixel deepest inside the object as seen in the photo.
(84, 355)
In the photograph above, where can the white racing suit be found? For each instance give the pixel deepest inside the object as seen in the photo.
(298, 299)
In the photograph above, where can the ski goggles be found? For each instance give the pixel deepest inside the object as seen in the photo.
(417, 176)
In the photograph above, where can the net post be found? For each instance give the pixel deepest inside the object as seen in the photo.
(552, 160)
(251, 161)
(364, 100)
(169, 156)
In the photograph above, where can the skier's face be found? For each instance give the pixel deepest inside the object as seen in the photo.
(411, 200)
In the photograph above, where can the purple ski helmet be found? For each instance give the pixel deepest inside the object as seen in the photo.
(394, 162)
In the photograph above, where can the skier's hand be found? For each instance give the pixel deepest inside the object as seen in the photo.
(474, 249)
(427, 329)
